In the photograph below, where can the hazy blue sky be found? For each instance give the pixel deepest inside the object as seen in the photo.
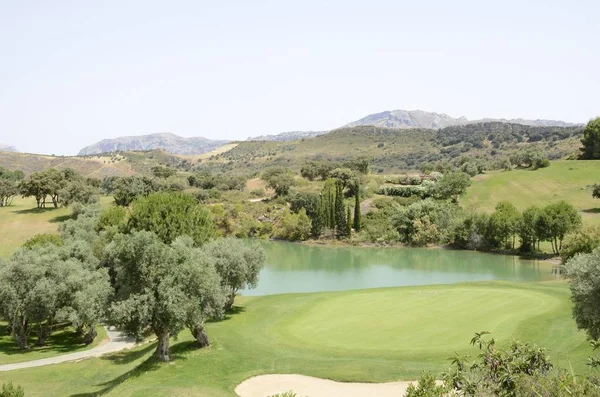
(74, 72)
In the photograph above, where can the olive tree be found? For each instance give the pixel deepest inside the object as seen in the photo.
(451, 186)
(41, 286)
(162, 288)
(583, 273)
(279, 179)
(562, 219)
(237, 263)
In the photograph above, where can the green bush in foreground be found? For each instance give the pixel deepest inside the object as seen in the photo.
(10, 390)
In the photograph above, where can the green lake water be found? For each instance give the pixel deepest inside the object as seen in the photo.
(292, 267)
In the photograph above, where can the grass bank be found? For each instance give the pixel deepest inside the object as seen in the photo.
(366, 335)
(562, 180)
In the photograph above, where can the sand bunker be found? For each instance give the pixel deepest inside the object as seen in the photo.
(307, 386)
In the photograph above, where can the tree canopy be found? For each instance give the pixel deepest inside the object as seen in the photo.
(162, 288)
(591, 140)
(170, 215)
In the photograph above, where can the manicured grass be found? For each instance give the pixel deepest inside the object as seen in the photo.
(62, 341)
(366, 335)
(562, 180)
(23, 220)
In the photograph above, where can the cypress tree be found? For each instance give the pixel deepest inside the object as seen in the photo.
(357, 220)
(340, 211)
(348, 221)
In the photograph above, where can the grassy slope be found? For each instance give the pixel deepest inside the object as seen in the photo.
(62, 341)
(22, 220)
(563, 180)
(370, 335)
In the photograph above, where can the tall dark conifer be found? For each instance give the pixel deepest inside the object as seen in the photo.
(357, 220)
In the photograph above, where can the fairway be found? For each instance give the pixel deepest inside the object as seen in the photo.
(373, 335)
(562, 180)
(416, 320)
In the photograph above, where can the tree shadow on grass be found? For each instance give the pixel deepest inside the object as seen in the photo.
(176, 353)
(60, 218)
(35, 210)
(151, 364)
(592, 211)
(62, 340)
(235, 310)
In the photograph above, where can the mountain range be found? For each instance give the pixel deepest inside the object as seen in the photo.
(7, 148)
(163, 140)
(389, 119)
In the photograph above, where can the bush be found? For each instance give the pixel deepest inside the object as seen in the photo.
(293, 227)
(43, 239)
(10, 390)
(426, 387)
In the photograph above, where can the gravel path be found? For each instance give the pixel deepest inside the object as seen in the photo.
(117, 342)
(307, 386)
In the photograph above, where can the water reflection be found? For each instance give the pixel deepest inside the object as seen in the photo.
(292, 267)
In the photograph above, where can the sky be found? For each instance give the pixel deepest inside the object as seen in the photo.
(75, 72)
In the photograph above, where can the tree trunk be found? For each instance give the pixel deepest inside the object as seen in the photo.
(162, 349)
(89, 335)
(230, 300)
(43, 331)
(20, 333)
(200, 336)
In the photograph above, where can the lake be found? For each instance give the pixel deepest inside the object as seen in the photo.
(293, 267)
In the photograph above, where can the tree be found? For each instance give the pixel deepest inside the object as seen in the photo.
(127, 189)
(170, 215)
(591, 140)
(78, 192)
(504, 224)
(348, 221)
(237, 263)
(310, 171)
(162, 288)
(583, 273)
(9, 185)
(580, 242)
(528, 231)
(341, 229)
(162, 171)
(344, 175)
(38, 286)
(293, 227)
(279, 179)
(562, 219)
(357, 220)
(451, 186)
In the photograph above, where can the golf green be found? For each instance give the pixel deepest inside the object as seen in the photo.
(415, 319)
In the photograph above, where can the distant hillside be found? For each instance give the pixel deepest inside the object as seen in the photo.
(97, 166)
(288, 136)
(395, 150)
(167, 141)
(422, 119)
(7, 148)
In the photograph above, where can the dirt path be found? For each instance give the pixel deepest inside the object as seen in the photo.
(117, 342)
(307, 386)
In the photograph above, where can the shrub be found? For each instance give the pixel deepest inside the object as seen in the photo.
(426, 387)
(293, 227)
(43, 239)
(10, 390)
